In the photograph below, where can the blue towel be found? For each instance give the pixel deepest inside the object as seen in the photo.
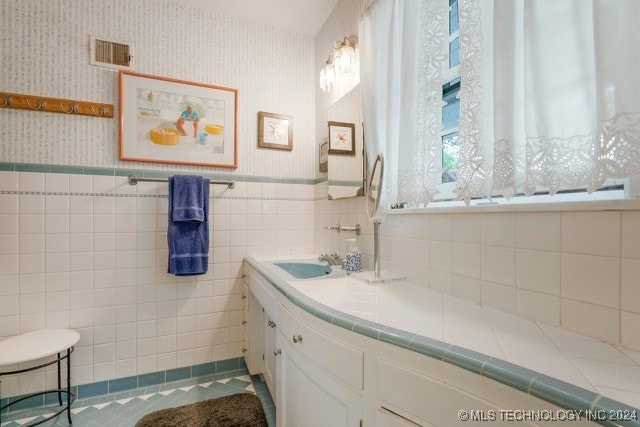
(188, 198)
(188, 231)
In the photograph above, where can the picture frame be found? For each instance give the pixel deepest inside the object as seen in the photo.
(342, 138)
(165, 120)
(275, 131)
(323, 156)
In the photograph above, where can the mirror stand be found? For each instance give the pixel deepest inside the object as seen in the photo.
(376, 249)
(373, 201)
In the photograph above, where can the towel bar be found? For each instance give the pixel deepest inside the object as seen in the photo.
(134, 179)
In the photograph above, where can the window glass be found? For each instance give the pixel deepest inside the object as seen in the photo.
(454, 52)
(450, 157)
(453, 16)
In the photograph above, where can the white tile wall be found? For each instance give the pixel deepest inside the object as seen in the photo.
(576, 270)
(97, 264)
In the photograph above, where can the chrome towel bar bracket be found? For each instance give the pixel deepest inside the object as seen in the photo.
(134, 179)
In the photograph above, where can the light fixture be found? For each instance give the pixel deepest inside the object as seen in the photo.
(327, 75)
(341, 62)
(345, 55)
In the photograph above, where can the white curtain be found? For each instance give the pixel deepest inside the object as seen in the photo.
(388, 35)
(549, 96)
(562, 107)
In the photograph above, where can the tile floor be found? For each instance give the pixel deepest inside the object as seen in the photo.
(126, 408)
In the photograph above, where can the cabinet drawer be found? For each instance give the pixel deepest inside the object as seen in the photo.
(343, 361)
(424, 400)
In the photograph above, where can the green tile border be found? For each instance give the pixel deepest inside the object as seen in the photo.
(123, 384)
(30, 167)
(72, 170)
(4, 166)
(98, 171)
(465, 358)
(429, 347)
(397, 337)
(552, 390)
(92, 389)
(152, 378)
(339, 183)
(561, 393)
(221, 369)
(509, 373)
(178, 374)
(148, 173)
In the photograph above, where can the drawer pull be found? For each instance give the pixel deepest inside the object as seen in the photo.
(277, 352)
(297, 338)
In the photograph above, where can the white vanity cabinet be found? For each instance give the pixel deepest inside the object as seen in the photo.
(309, 396)
(410, 389)
(324, 375)
(320, 379)
(260, 328)
(315, 379)
(269, 328)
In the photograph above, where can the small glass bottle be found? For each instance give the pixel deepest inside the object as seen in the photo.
(353, 259)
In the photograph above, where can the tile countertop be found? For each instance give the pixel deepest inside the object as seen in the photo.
(477, 338)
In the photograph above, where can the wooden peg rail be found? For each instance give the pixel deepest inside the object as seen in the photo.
(55, 105)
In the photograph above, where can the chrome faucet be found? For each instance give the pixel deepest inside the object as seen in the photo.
(333, 259)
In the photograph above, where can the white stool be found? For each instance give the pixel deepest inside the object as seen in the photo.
(39, 345)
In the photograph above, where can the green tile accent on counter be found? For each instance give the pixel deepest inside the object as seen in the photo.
(552, 390)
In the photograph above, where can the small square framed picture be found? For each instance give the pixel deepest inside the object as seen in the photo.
(275, 131)
(323, 156)
(342, 138)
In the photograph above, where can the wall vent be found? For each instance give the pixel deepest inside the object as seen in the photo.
(111, 53)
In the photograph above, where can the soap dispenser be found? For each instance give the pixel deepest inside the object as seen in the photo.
(353, 259)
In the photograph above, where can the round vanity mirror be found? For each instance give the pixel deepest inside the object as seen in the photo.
(374, 188)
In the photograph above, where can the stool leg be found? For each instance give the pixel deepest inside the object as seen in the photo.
(59, 383)
(69, 386)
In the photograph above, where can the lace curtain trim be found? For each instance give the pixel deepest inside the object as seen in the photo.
(546, 163)
(504, 168)
(417, 185)
(472, 176)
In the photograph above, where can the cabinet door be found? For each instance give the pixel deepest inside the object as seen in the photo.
(269, 355)
(254, 333)
(309, 396)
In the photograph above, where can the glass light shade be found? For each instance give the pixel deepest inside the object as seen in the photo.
(345, 56)
(340, 63)
(327, 77)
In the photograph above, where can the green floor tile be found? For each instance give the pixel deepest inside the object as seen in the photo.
(125, 415)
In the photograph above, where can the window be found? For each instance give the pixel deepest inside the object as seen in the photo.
(451, 116)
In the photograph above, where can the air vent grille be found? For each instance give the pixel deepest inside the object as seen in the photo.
(109, 53)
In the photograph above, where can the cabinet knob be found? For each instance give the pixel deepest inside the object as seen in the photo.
(244, 276)
(243, 297)
(244, 322)
(244, 350)
(297, 338)
(277, 352)
(271, 323)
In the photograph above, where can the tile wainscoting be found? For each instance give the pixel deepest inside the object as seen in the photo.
(83, 249)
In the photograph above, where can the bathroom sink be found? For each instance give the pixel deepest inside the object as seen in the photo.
(304, 270)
